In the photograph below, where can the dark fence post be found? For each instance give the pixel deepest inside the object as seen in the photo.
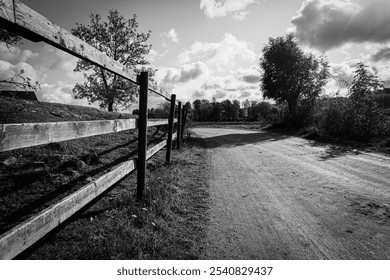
(178, 125)
(143, 80)
(170, 128)
(183, 126)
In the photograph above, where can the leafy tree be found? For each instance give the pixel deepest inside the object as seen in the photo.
(236, 109)
(227, 110)
(197, 110)
(290, 74)
(202, 110)
(364, 83)
(119, 39)
(163, 110)
(216, 113)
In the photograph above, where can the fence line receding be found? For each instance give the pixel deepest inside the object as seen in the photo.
(25, 22)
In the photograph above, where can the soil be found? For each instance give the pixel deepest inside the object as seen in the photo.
(35, 178)
(277, 196)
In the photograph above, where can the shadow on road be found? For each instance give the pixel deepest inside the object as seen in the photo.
(333, 150)
(239, 139)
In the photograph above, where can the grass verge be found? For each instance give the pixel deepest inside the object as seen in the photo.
(169, 223)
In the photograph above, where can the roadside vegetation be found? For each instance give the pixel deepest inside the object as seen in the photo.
(169, 223)
(294, 81)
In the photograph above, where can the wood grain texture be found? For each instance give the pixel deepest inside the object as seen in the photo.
(157, 122)
(153, 87)
(23, 16)
(27, 233)
(23, 135)
(156, 148)
(64, 40)
(16, 136)
(7, 10)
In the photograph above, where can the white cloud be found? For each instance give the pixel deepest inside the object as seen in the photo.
(60, 93)
(8, 70)
(220, 94)
(197, 94)
(12, 53)
(183, 81)
(16, 60)
(327, 24)
(226, 54)
(62, 61)
(171, 35)
(223, 69)
(232, 86)
(250, 75)
(186, 73)
(221, 8)
(208, 86)
(341, 74)
(381, 55)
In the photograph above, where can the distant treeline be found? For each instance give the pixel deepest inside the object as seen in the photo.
(295, 82)
(228, 111)
(327, 116)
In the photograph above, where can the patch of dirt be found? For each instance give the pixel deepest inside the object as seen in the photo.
(378, 212)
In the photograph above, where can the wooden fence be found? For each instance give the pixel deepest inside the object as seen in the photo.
(23, 21)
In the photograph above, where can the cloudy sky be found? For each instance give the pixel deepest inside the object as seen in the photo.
(211, 48)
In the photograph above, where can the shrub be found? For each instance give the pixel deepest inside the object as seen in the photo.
(347, 118)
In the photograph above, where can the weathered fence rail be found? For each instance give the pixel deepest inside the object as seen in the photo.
(23, 135)
(27, 233)
(23, 21)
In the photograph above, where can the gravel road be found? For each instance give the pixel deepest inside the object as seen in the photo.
(275, 196)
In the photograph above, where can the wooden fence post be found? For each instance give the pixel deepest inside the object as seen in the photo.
(170, 128)
(143, 80)
(185, 112)
(178, 125)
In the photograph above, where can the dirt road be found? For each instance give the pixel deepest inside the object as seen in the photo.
(275, 196)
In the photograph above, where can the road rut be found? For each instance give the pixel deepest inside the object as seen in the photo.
(276, 196)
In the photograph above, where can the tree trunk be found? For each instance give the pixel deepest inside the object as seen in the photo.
(110, 106)
(110, 98)
(292, 108)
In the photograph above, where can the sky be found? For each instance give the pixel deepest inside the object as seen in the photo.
(206, 49)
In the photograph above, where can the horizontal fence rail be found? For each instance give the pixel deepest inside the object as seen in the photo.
(17, 136)
(25, 22)
(44, 30)
(27, 233)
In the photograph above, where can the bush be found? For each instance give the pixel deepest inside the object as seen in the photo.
(347, 118)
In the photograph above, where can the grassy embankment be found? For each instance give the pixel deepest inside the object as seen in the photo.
(168, 224)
